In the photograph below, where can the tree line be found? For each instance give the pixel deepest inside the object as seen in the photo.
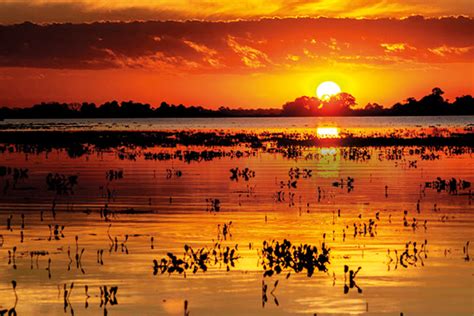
(342, 104)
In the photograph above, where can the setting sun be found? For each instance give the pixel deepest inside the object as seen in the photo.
(327, 89)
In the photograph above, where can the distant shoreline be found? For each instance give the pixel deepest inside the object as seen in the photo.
(338, 105)
(226, 116)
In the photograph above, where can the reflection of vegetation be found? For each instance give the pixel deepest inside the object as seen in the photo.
(352, 282)
(245, 174)
(272, 293)
(17, 174)
(197, 259)
(411, 256)
(340, 184)
(108, 296)
(112, 175)
(452, 185)
(277, 257)
(60, 183)
(223, 232)
(11, 311)
(213, 205)
(465, 250)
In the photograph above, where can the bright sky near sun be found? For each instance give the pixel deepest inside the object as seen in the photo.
(260, 54)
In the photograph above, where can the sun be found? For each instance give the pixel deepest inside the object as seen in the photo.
(327, 89)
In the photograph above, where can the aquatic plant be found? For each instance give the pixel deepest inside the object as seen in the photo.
(246, 174)
(197, 259)
(213, 205)
(11, 311)
(112, 175)
(452, 186)
(276, 257)
(352, 282)
(272, 293)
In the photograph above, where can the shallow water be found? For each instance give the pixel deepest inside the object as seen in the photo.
(355, 125)
(174, 210)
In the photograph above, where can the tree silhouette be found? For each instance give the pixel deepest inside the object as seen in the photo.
(341, 104)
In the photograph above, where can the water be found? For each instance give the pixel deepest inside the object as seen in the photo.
(239, 124)
(169, 201)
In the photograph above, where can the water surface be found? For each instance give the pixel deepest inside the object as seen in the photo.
(169, 200)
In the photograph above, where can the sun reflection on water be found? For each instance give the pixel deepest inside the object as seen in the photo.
(327, 132)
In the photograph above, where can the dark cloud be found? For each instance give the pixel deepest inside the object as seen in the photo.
(263, 45)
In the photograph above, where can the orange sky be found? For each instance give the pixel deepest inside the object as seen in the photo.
(366, 46)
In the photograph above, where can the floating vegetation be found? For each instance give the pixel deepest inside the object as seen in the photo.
(246, 174)
(108, 296)
(11, 311)
(224, 232)
(364, 229)
(452, 185)
(170, 173)
(276, 257)
(296, 173)
(340, 184)
(77, 257)
(12, 257)
(112, 175)
(16, 174)
(465, 251)
(352, 282)
(197, 259)
(272, 293)
(186, 308)
(56, 232)
(37, 254)
(66, 295)
(411, 255)
(213, 205)
(114, 243)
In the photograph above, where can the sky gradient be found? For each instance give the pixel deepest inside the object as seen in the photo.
(270, 56)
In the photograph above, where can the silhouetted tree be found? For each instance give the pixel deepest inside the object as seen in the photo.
(88, 109)
(302, 106)
(340, 104)
(464, 105)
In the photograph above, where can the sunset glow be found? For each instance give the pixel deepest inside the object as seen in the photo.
(267, 60)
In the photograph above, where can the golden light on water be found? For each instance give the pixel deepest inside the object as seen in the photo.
(328, 151)
(327, 132)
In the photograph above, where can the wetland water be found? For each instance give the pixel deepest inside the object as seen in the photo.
(128, 205)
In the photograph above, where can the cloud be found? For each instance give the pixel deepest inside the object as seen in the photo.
(237, 46)
(396, 47)
(444, 51)
(251, 57)
(45, 11)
